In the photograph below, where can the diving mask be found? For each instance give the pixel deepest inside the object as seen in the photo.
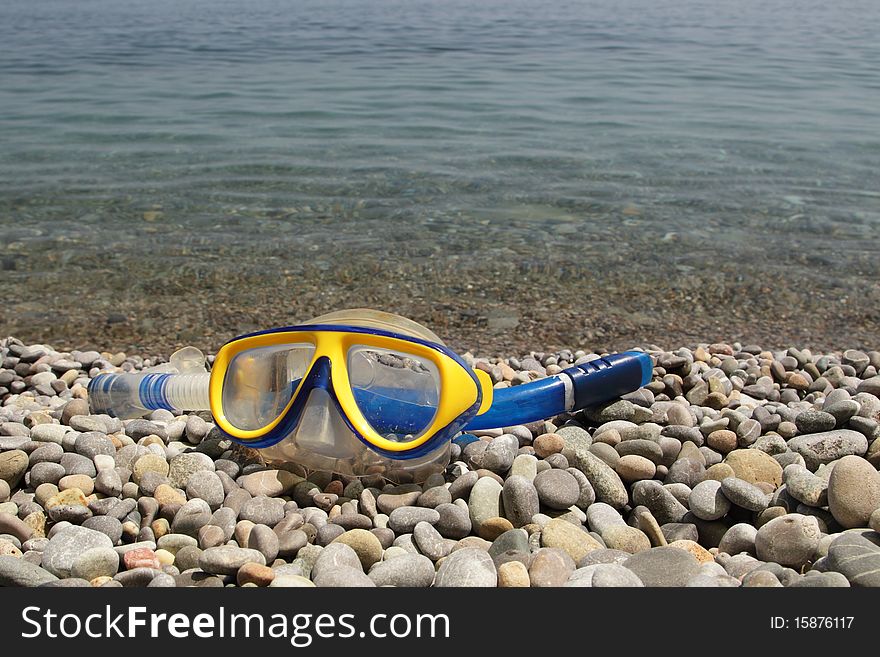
(357, 392)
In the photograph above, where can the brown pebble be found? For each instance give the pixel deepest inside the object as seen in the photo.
(722, 440)
(254, 573)
(492, 528)
(547, 444)
(513, 574)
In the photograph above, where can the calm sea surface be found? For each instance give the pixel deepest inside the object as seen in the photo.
(683, 134)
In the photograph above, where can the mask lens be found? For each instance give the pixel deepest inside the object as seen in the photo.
(397, 393)
(260, 382)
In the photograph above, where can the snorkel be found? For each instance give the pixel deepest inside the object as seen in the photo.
(357, 392)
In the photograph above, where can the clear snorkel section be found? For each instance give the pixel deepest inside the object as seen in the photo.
(323, 441)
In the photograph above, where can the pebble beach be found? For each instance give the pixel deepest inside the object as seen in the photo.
(736, 466)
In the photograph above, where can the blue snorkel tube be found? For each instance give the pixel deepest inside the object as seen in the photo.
(591, 383)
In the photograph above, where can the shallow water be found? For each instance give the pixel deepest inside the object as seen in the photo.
(288, 157)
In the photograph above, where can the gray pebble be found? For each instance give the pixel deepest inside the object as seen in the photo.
(557, 489)
(739, 538)
(662, 504)
(743, 494)
(107, 525)
(65, 546)
(226, 560)
(206, 485)
(18, 572)
(663, 566)
(454, 521)
(707, 501)
(789, 540)
(467, 567)
(262, 510)
(404, 519)
(409, 570)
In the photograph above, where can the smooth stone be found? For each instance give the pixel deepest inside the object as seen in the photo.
(663, 566)
(206, 485)
(563, 534)
(601, 516)
(107, 525)
(182, 467)
(633, 467)
(49, 433)
(108, 483)
(262, 510)
(520, 500)
(271, 483)
(365, 544)
(813, 421)
(575, 437)
(467, 567)
(173, 543)
(14, 526)
(291, 581)
(804, 486)
(50, 452)
(93, 443)
(430, 543)
(65, 546)
(46, 473)
(191, 517)
(739, 538)
(707, 502)
(829, 446)
(557, 489)
(513, 574)
(612, 575)
(855, 557)
(753, 466)
(95, 562)
(499, 454)
(461, 488)
(13, 465)
(744, 494)
(686, 471)
(484, 502)
(15, 571)
(789, 540)
(343, 577)
(662, 503)
(149, 463)
(640, 447)
(333, 557)
(853, 491)
(404, 519)
(626, 539)
(226, 560)
(524, 465)
(291, 542)
(604, 452)
(550, 567)
(265, 541)
(434, 497)
(605, 481)
(407, 570)
(454, 522)
(388, 502)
